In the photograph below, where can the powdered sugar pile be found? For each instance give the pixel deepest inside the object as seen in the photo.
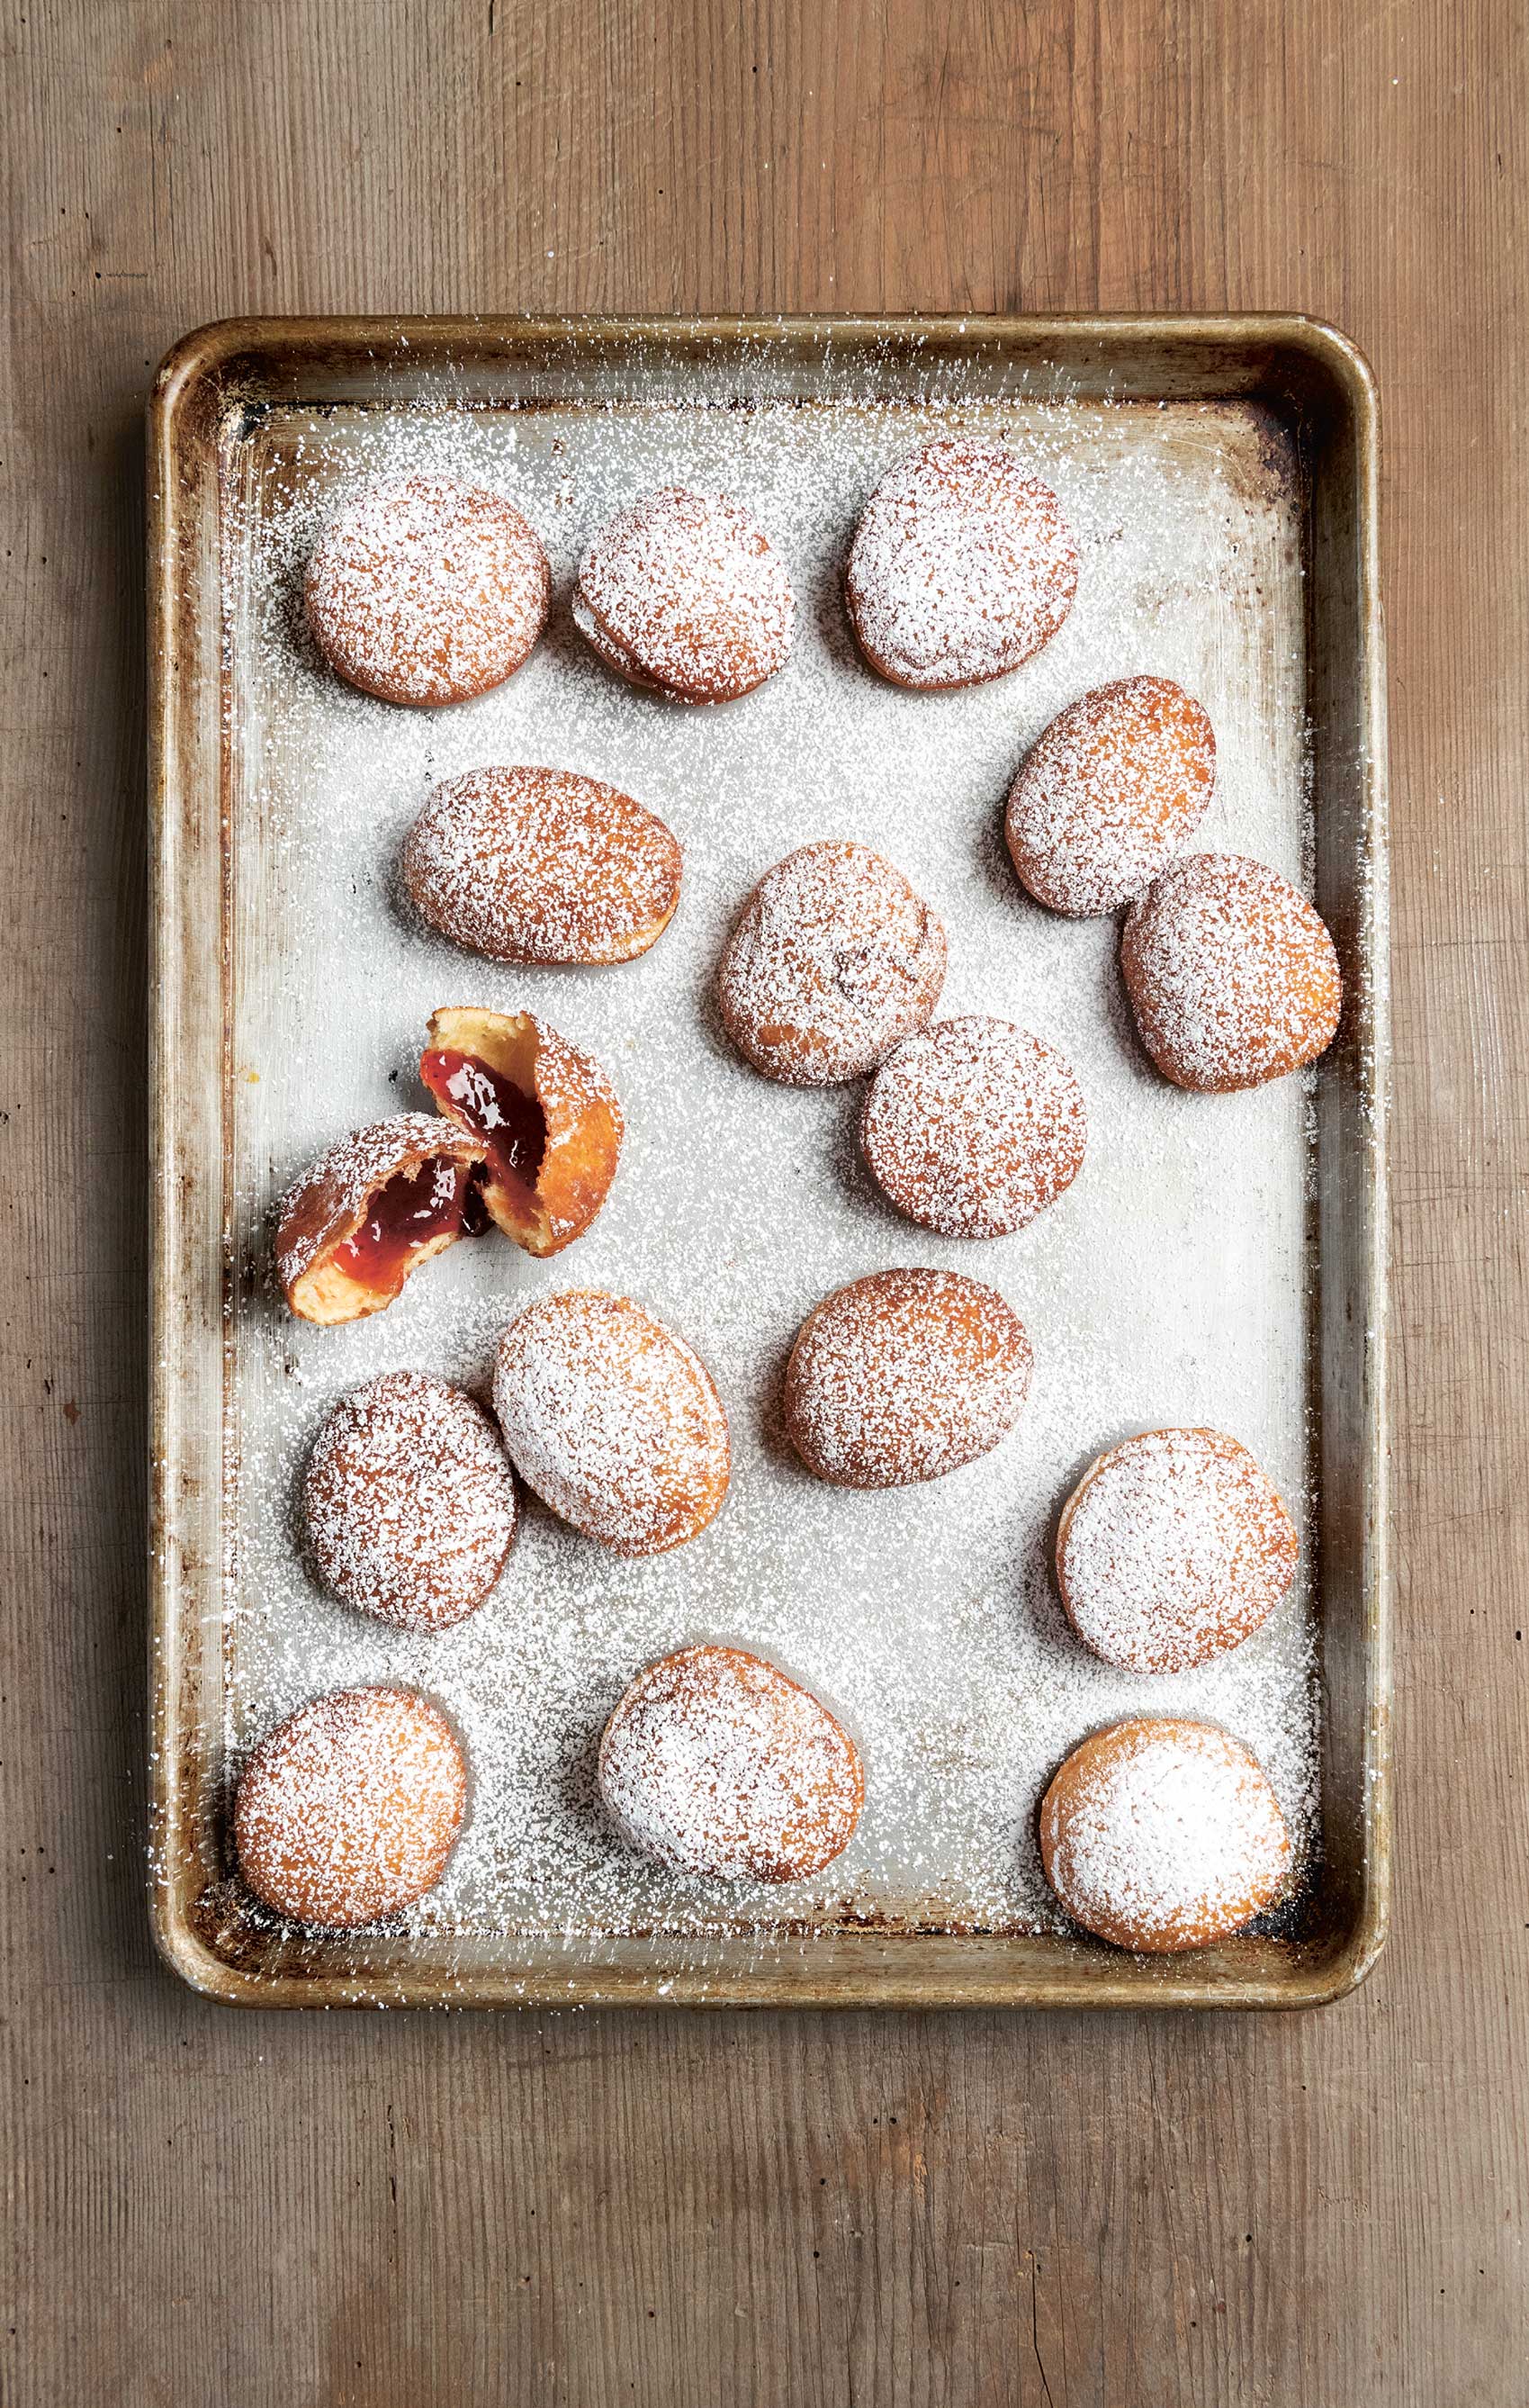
(717, 1766)
(1169, 1285)
(973, 1126)
(1168, 1830)
(1177, 1546)
(408, 1502)
(962, 567)
(834, 958)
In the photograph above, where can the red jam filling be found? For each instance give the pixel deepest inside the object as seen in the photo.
(423, 1202)
(492, 1109)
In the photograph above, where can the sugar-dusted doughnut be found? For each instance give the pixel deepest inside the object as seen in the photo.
(686, 593)
(1164, 1835)
(1108, 793)
(544, 1113)
(905, 1376)
(1173, 1547)
(408, 1502)
(370, 1210)
(962, 567)
(973, 1126)
(349, 1809)
(717, 1764)
(541, 865)
(833, 959)
(612, 1420)
(1233, 976)
(422, 590)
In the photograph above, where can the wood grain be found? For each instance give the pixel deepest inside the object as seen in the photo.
(1308, 2212)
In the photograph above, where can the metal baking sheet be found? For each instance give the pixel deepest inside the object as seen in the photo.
(1219, 1259)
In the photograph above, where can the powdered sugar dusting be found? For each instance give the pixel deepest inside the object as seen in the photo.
(1233, 976)
(834, 958)
(1175, 1547)
(1169, 1286)
(973, 1126)
(962, 567)
(1117, 783)
(427, 589)
(1166, 1831)
(905, 1376)
(718, 1764)
(408, 1502)
(612, 1420)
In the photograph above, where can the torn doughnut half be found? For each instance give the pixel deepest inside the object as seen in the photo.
(544, 1117)
(371, 1210)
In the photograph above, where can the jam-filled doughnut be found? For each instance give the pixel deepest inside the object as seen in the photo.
(905, 1376)
(408, 1502)
(545, 1114)
(1174, 1547)
(612, 1420)
(425, 590)
(1108, 793)
(370, 1210)
(962, 567)
(833, 959)
(717, 1764)
(685, 593)
(541, 865)
(349, 1809)
(1164, 1835)
(1233, 976)
(973, 1126)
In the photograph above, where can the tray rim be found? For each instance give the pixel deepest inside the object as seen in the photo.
(189, 378)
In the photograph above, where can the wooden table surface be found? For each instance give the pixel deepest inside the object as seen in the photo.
(683, 2210)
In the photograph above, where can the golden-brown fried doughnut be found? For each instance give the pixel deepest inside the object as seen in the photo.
(349, 1809)
(962, 567)
(1233, 976)
(408, 1502)
(541, 865)
(1173, 1548)
(973, 1126)
(612, 1420)
(1164, 1835)
(905, 1376)
(719, 1765)
(425, 591)
(834, 958)
(1108, 793)
(684, 593)
(369, 1211)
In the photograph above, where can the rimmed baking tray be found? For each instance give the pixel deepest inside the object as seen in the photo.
(1279, 406)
